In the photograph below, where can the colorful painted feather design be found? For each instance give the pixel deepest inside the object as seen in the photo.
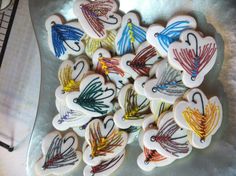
(106, 167)
(194, 60)
(202, 123)
(105, 141)
(170, 83)
(167, 86)
(152, 156)
(171, 33)
(68, 118)
(142, 62)
(64, 39)
(169, 139)
(97, 16)
(93, 45)
(169, 143)
(161, 37)
(109, 67)
(134, 109)
(94, 97)
(63, 33)
(60, 154)
(100, 144)
(194, 55)
(130, 35)
(70, 75)
(56, 158)
(150, 159)
(201, 116)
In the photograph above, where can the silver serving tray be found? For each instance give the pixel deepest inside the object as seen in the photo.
(215, 18)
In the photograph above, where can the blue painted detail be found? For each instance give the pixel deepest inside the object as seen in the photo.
(195, 67)
(170, 83)
(125, 45)
(167, 85)
(172, 33)
(61, 34)
(139, 34)
(65, 117)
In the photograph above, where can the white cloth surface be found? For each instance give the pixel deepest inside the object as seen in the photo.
(19, 92)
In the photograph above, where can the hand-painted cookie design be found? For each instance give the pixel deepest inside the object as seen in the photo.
(92, 45)
(96, 17)
(169, 139)
(70, 75)
(161, 37)
(201, 116)
(134, 108)
(68, 118)
(150, 159)
(94, 97)
(64, 39)
(167, 86)
(60, 154)
(130, 35)
(106, 167)
(194, 55)
(141, 63)
(109, 67)
(105, 141)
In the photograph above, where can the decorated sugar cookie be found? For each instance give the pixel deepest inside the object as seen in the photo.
(96, 17)
(194, 55)
(68, 118)
(60, 154)
(64, 39)
(167, 86)
(70, 75)
(150, 159)
(94, 97)
(141, 63)
(161, 37)
(169, 139)
(109, 67)
(105, 141)
(130, 35)
(92, 45)
(134, 108)
(106, 167)
(200, 115)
